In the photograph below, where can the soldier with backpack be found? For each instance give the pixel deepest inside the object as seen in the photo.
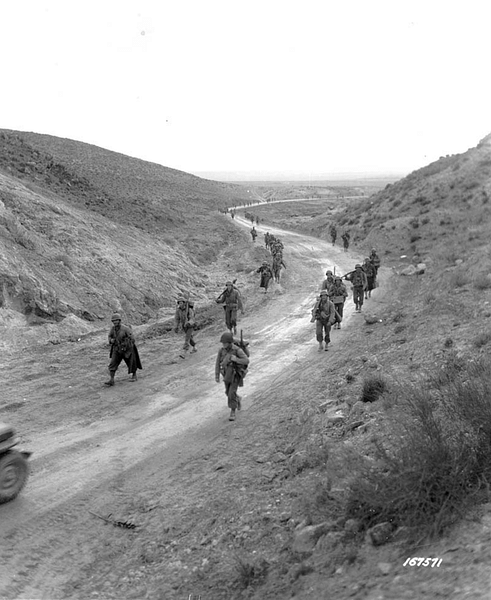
(359, 281)
(231, 363)
(184, 319)
(324, 315)
(338, 295)
(123, 347)
(266, 275)
(231, 300)
(370, 272)
(253, 233)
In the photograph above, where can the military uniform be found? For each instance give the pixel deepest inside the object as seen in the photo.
(123, 347)
(324, 315)
(232, 301)
(266, 275)
(231, 363)
(184, 319)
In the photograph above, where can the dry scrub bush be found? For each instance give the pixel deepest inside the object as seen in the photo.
(435, 457)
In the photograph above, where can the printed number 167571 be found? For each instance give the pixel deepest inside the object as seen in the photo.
(423, 562)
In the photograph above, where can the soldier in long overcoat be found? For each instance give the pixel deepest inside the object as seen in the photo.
(123, 347)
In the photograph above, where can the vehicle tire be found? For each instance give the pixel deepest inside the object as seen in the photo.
(14, 470)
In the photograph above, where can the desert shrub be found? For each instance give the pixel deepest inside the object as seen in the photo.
(482, 339)
(414, 238)
(396, 202)
(424, 475)
(373, 387)
(459, 278)
(250, 572)
(482, 281)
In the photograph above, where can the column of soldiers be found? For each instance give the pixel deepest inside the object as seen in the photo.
(275, 246)
(328, 309)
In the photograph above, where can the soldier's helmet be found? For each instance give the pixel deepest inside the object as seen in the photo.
(228, 283)
(227, 338)
(116, 317)
(265, 263)
(323, 292)
(180, 299)
(358, 266)
(338, 279)
(328, 272)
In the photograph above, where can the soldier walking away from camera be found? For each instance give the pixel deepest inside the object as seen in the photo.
(253, 234)
(231, 299)
(328, 282)
(338, 295)
(266, 275)
(231, 363)
(334, 233)
(123, 347)
(370, 273)
(324, 315)
(184, 319)
(266, 239)
(375, 258)
(359, 282)
(346, 238)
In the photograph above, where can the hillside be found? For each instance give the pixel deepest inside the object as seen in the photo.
(85, 231)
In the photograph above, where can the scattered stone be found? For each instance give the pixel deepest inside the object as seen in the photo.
(381, 533)
(306, 538)
(285, 516)
(352, 526)
(371, 319)
(279, 457)
(325, 405)
(328, 541)
(385, 568)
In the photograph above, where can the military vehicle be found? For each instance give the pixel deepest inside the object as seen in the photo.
(14, 468)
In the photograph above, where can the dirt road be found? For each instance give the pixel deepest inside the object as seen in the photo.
(93, 446)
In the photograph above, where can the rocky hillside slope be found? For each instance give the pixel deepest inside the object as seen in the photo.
(85, 231)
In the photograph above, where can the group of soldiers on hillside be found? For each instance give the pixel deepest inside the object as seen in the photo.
(233, 357)
(328, 309)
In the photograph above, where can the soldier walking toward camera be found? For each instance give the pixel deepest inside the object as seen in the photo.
(231, 364)
(184, 319)
(328, 282)
(359, 281)
(324, 315)
(123, 347)
(334, 233)
(232, 300)
(253, 234)
(338, 295)
(346, 239)
(375, 258)
(266, 275)
(370, 272)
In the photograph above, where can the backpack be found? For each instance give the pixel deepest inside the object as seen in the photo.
(243, 345)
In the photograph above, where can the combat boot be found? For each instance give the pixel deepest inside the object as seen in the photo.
(321, 346)
(111, 379)
(232, 415)
(133, 377)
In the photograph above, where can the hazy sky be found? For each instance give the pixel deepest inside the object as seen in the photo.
(307, 86)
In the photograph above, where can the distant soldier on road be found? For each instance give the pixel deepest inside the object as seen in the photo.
(184, 319)
(334, 233)
(266, 275)
(346, 239)
(253, 233)
(123, 347)
(231, 363)
(232, 300)
(370, 272)
(359, 281)
(375, 258)
(324, 316)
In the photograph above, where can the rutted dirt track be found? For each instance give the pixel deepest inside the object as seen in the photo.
(93, 446)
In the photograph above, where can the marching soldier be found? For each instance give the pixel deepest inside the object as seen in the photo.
(324, 315)
(123, 347)
(184, 319)
(231, 364)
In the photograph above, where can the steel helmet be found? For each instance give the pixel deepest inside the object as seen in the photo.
(116, 317)
(227, 338)
(328, 272)
(323, 292)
